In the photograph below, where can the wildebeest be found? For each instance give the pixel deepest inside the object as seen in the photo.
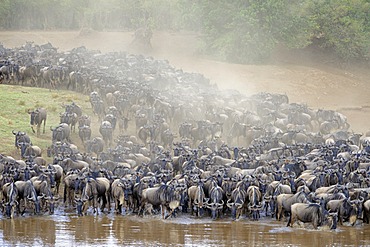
(75, 81)
(366, 214)
(43, 190)
(69, 118)
(10, 194)
(197, 198)
(38, 117)
(27, 192)
(94, 190)
(106, 130)
(84, 132)
(28, 73)
(84, 120)
(56, 171)
(68, 164)
(95, 145)
(21, 137)
(237, 202)
(167, 138)
(61, 133)
(29, 151)
(118, 194)
(346, 209)
(163, 196)
(216, 203)
(311, 212)
(112, 119)
(6, 70)
(70, 187)
(48, 77)
(73, 108)
(254, 199)
(285, 201)
(32, 151)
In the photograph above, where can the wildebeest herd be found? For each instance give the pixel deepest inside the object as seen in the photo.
(169, 141)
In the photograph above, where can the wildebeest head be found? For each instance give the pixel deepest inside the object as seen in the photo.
(35, 115)
(234, 207)
(51, 201)
(79, 206)
(330, 220)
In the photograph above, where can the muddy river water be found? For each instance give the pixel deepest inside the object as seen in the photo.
(66, 229)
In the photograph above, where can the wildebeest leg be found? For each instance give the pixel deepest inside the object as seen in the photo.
(290, 221)
(163, 211)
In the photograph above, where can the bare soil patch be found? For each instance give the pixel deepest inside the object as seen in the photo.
(306, 77)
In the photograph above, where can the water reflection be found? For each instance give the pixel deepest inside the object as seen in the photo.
(113, 230)
(30, 231)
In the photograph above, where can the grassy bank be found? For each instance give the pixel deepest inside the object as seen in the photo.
(14, 106)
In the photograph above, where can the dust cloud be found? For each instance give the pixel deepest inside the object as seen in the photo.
(306, 77)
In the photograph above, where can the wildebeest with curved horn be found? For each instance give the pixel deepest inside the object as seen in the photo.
(21, 137)
(254, 199)
(61, 133)
(216, 203)
(10, 193)
(311, 212)
(161, 196)
(95, 189)
(43, 189)
(38, 117)
(237, 202)
(27, 193)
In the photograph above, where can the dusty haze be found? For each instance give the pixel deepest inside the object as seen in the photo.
(306, 77)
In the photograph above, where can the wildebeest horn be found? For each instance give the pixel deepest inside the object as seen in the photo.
(14, 133)
(229, 204)
(267, 198)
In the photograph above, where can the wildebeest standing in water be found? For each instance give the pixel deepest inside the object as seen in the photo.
(38, 117)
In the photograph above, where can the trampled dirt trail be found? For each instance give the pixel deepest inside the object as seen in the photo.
(305, 77)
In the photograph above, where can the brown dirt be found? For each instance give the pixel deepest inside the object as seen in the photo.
(306, 77)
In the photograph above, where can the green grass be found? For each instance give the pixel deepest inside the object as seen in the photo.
(15, 101)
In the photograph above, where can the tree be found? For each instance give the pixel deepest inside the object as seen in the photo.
(342, 26)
